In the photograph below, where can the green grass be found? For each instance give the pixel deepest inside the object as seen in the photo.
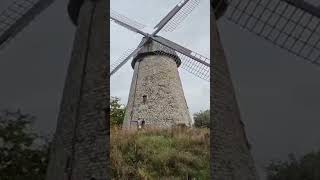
(167, 154)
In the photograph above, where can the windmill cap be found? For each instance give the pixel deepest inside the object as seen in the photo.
(155, 48)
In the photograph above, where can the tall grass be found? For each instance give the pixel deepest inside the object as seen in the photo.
(178, 153)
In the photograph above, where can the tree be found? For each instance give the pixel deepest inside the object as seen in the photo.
(23, 153)
(202, 119)
(117, 112)
(306, 168)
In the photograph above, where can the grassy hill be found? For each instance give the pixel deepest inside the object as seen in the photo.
(167, 154)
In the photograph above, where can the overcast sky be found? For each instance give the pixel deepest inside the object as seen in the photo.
(192, 33)
(33, 66)
(278, 93)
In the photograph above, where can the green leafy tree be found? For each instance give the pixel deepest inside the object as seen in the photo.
(202, 119)
(117, 112)
(305, 168)
(23, 153)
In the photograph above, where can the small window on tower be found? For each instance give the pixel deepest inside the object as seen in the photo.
(144, 98)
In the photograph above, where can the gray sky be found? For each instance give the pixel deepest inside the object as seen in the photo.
(33, 66)
(278, 93)
(192, 33)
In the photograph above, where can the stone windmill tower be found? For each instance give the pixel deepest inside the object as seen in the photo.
(230, 147)
(80, 146)
(156, 97)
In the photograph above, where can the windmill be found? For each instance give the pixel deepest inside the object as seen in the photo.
(156, 96)
(292, 25)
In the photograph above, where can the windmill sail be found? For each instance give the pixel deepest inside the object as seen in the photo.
(17, 16)
(176, 15)
(197, 57)
(191, 61)
(198, 69)
(305, 6)
(188, 62)
(123, 59)
(290, 24)
(126, 22)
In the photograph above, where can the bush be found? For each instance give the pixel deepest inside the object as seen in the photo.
(202, 119)
(305, 168)
(23, 152)
(117, 112)
(153, 153)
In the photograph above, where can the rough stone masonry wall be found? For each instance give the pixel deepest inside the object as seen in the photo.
(231, 157)
(80, 146)
(157, 78)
